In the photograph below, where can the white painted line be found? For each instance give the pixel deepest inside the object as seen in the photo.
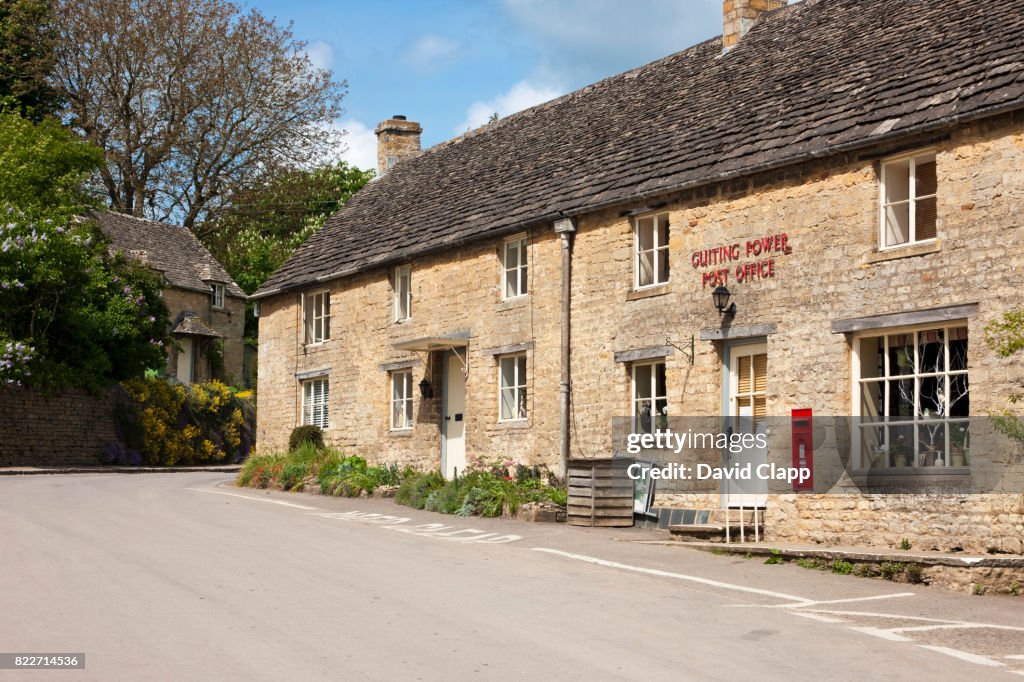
(884, 634)
(246, 497)
(900, 616)
(844, 601)
(667, 574)
(817, 617)
(947, 626)
(964, 655)
(1016, 657)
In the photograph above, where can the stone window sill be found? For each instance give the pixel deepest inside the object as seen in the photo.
(514, 425)
(513, 303)
(904, 252)
(648, 292)
(404, 433)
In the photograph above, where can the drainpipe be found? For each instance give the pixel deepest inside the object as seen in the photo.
(565, 228)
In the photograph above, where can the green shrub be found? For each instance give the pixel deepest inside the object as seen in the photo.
(775, 558)
(841, 567)
(891, 570)
(308, 433)
(811, 563)
(914, 573)
(558, 495)
(416, 488)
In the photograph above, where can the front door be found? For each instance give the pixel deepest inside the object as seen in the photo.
(185, 360)
(747, 404)
(453, 429)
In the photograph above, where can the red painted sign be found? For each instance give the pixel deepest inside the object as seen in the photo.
(762, 267)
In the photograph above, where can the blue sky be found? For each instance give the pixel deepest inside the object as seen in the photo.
(449, 64)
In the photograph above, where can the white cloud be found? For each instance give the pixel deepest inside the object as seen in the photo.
(431, 52)
(520, 96)
(320, 54)
(361, 144)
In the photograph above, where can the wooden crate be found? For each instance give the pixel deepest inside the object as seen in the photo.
(600, 492)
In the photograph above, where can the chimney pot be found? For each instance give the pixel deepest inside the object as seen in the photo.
(397, 138)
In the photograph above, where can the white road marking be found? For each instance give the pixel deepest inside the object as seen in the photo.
(1016, 657)
(964, 655)
(884, 634)
(817, 617)
(844, 601)
(946, 626)
(667, 574)
(900, 616)
(246, 497)
(452, 534)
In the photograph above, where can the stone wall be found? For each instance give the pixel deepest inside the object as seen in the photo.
(67, 429)
(449, 295)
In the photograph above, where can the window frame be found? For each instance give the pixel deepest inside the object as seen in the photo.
(911, 200)
(918, 421)
(312, 314)
(521, 268)
(635, 400)
(405, 376)
(519, 387)
(314, 405)
(399, 271)
(219, 292)
(658, 278)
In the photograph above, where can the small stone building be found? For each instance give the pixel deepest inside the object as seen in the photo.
(851, 172)
(207, 309)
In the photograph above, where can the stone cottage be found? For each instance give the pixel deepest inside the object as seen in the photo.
(207, 308)
(817, 213)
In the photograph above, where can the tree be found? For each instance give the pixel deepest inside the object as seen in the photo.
(261, 225)
(190, 100)
(26, 57)
(70, 314)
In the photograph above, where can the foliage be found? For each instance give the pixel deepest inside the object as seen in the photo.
(308, 433)
(905, 544)
(416, 488)
(892, 570)
(260, 471)
(775, 558)
(189, 99)
(335, 474)
(26, 57)
(841, 567)
(164, 424)
(43, 166)
(811, 563)
(1005, 336)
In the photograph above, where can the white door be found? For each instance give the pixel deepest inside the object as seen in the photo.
(453, 442)
(748, 390)
(185, 360)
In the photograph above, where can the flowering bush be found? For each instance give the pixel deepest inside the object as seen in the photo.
(163, 424)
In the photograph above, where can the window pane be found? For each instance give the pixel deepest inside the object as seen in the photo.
(522, 403)
(645, 234)
(511, 284)
(522, 280)
(508, 369)
(932, 401)
(642, 382)
(511, 255)
(957, 349)
(872, 400)
(662, 265)
(924, 219)
(659, 386)
(901, 354)
(901, 398)
(931, 351)
(522, 371)
(897, 181)
(897, 224)
(522, 253)
(645, 263)
(643, 422)
(931, 444)
(872, 362)
(959, 396)
(408, 385)
(925, 179)
(508, 403)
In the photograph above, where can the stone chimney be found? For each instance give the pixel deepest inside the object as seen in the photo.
(397, 138)
(739, 16)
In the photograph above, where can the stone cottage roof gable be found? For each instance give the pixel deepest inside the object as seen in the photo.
(811, 79)
(173, 250)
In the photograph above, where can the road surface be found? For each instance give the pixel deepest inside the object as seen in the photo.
(183, 577)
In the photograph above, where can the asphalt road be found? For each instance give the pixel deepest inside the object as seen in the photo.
(175, 577)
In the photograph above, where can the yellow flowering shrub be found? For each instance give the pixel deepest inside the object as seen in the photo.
(164, 424)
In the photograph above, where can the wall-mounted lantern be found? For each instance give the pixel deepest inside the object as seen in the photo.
(721, 298)
(426, 390)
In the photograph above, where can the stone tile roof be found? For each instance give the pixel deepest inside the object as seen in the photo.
(810, 79)
(189, 324)
(174, 250)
